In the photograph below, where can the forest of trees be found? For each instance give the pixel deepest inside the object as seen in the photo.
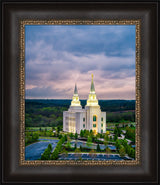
(49, 113)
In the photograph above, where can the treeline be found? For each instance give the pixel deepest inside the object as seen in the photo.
(49, 113)
(44, 116)
(120, 117)
(42, 132)
(106, 105)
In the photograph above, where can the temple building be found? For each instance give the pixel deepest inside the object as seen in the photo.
(89, 118)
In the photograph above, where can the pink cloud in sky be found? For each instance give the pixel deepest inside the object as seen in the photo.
(52, 73)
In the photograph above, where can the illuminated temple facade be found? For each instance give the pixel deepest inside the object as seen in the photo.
(89, 118)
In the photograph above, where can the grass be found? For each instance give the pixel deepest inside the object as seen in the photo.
(43, 137)
(37, 128)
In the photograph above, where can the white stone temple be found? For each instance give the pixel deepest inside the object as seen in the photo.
(90, 118)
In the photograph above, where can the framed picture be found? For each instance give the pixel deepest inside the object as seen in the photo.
(83, 134)
(80, 92)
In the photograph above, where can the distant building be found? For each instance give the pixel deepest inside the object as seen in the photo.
(90, 118)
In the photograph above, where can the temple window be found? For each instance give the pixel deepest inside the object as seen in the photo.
(94, 118)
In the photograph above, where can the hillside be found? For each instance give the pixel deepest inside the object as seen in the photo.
(50, 112)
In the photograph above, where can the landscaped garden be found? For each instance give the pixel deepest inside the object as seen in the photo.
(55, 145)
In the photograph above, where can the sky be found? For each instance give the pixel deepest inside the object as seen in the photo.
(58, 56)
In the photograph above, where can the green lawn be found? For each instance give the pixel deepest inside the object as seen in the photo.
(43, 137)
(37, 128)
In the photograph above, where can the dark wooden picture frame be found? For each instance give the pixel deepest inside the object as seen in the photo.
(146, 170)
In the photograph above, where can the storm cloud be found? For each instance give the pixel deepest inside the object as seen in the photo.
(57, 57)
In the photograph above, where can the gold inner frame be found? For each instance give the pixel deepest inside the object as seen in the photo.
(22, 160)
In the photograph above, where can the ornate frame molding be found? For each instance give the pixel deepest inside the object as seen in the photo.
(22, 160)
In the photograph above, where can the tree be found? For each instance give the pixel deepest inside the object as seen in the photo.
(115, 137)
(131, 153)
(68, 145)
(60, 136)
(91, 131)
(81, 148)
(50, 147)
(128, 148)
(76, 136)
(35, 137)
(117, 124)
(89, 141)
(98, 148)
(91, 134)
(75, 145)
(54, 155)
(71, 135)
(122, 151)
(58, 129)
(106, 140)
(46, 153)
(117, 144)
(110, 138)
(57, 149)
(130, 133)
(98, 135)
(82, 133)
(65, 137)
(86, 133)
(124, 143)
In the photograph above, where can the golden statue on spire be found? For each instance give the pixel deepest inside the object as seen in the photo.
(92, 76)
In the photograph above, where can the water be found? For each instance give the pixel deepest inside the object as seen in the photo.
(34, 151)
(93, 146)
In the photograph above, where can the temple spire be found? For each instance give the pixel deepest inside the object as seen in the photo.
(92, 99)
(92, 90)
(75, 103)
(75, 90)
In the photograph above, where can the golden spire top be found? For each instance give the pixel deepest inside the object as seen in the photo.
(92, 76)
(92, 100)
(92, 85)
